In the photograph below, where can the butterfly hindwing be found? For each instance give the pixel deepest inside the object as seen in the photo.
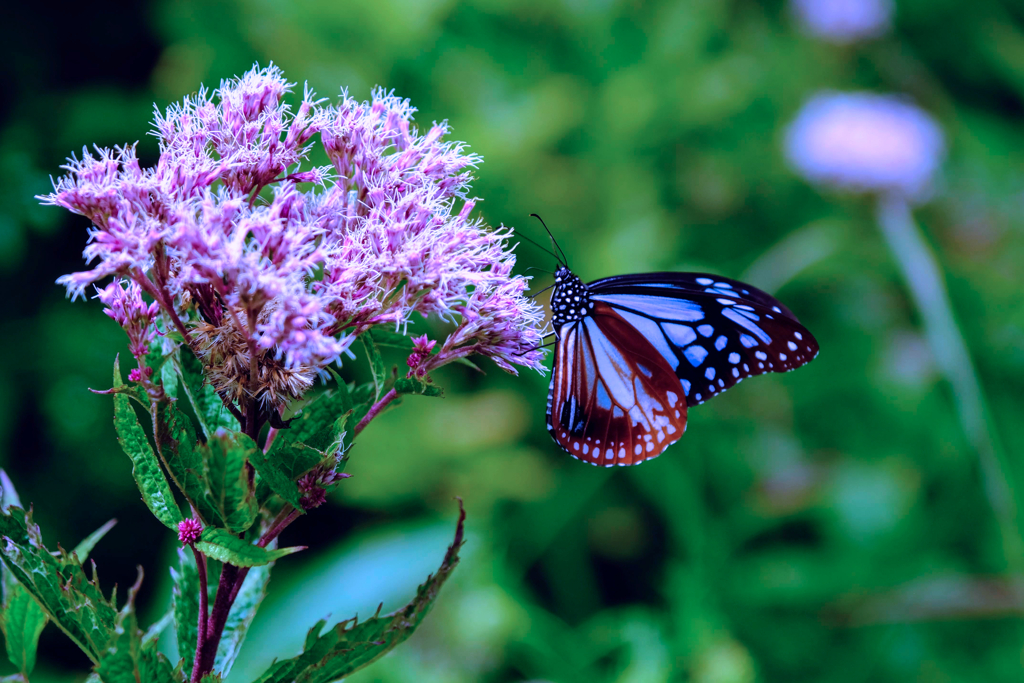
(614, 399)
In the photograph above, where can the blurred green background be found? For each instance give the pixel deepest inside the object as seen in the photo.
(827, 525)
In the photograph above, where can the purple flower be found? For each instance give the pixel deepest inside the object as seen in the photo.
(844, 21)
(862, 142)
(251, 257)
(123, 301)
(189, 531)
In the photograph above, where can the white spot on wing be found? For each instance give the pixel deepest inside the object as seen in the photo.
(695, 354)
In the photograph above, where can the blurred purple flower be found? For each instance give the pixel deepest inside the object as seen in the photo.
(863, 142)
(245, 253)
(844, 21)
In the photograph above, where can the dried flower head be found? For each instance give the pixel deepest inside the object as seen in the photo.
(862, 142)
(268, 270)
(844, 21)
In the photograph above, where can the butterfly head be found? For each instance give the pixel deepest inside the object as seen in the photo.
(570, 299)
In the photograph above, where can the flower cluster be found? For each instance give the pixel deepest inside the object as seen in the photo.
(269, 270)
(123, 302)
(844, 21)
(863, 142)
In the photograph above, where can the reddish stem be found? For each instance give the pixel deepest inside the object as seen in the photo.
(203, 608)
(375, 410)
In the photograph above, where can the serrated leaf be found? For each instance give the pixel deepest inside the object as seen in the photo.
(414, 385)
(185, 604)
(351, 645)
(253, 590)
(177, 443)
(85, 547)
(127, 659)
(226, 455)
(156, 492)
(316, 416)
(209, 407)
(225, 547)
(377, 367)
(59, 584)
(275, 478)
(23, 619)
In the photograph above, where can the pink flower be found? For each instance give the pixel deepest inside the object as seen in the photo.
(123, 301)
(189, 531)
(246, 253)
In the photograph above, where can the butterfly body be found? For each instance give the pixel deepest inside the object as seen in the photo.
(634, 352)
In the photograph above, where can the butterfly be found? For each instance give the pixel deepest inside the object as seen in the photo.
(634, 352)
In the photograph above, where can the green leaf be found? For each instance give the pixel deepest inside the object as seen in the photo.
(156, 492)
(226, 455)
(127, 659)
(414, 385)
(185, 604)
(350, 645)
(177, 444)
(313, 436)
(23, 621)
(382, 336)
(83, 549)
(153, 632)
(275, 477)
(225, 547)
(319, 414)
(380, 373)
(209, 407)
(58, 583)
(253, 590)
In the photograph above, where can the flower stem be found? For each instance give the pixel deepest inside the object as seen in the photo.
(206, 653)
(924, 279)
(203, 599)
(375, 410)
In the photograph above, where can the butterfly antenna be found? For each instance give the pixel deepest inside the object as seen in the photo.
(539, 246)
(535, 348)
(564, 261)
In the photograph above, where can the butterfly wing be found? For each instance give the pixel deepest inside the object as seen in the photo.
(614, 399)
(713, 332)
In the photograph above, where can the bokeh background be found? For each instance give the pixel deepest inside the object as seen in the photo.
(832, 524)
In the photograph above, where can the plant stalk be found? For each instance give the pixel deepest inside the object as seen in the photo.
(921, 271)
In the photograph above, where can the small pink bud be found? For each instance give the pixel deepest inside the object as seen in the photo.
(189, 531)
(413, 360)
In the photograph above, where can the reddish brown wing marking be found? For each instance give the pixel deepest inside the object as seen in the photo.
(614, 399)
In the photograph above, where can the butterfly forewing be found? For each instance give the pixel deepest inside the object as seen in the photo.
(614, 399)
(710, 339)
(687, 284)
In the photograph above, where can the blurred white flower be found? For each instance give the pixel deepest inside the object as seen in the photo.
(844, 21)
(862, 142)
